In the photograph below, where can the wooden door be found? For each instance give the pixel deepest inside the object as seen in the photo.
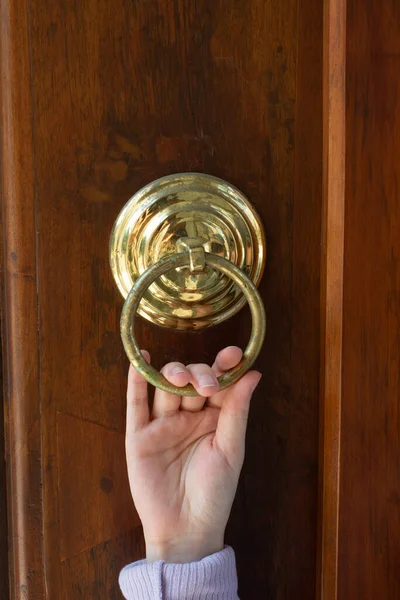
(100, 98)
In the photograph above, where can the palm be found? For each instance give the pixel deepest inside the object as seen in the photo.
(179, 472)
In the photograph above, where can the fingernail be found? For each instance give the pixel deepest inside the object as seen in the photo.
(178, 370)
(207, 381)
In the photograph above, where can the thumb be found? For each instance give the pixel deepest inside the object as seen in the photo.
(232, 423)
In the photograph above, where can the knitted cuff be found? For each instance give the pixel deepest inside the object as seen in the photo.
(212, 578)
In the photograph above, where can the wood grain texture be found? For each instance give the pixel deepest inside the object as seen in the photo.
(4, 569)
(4, 566)
(305, 337)
(19, 307)
(369, 535)
(123, 93)
(91, 476)
(92, 574)
(334, 54)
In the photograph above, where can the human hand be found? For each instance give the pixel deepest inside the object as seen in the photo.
(184, 459)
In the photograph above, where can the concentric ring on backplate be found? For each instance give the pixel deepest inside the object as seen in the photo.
(187, 205)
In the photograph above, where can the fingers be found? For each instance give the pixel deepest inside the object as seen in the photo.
(205, 382)
(201, 376)
(166, 404)
(137, 410)
(228, 358)
(232, 422)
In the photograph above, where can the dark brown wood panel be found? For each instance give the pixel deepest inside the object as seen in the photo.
(91, 477)
(302, 445)
(92, 574)
(19, 307)
(122, 93)
(369, 535)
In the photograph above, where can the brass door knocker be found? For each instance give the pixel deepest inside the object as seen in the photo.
(186, 252)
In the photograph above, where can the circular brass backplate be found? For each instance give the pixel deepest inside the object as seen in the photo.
(178, 206)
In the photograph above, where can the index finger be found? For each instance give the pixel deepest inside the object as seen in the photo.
(137, 406)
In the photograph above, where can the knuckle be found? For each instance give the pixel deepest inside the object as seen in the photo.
(138, 400)
(200, 369)
(169, 368)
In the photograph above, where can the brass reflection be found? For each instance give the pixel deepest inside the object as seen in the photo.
(152, 225)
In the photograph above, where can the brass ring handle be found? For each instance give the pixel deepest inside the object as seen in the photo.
(136, 293)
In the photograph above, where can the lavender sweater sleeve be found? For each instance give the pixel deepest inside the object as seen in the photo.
(212, 578)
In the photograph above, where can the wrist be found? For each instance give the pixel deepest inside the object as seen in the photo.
(183, 550)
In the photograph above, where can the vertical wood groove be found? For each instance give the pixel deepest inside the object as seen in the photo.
(331, 292)
(20, 326)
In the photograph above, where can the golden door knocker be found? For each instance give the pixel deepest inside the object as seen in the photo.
(186, 252)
